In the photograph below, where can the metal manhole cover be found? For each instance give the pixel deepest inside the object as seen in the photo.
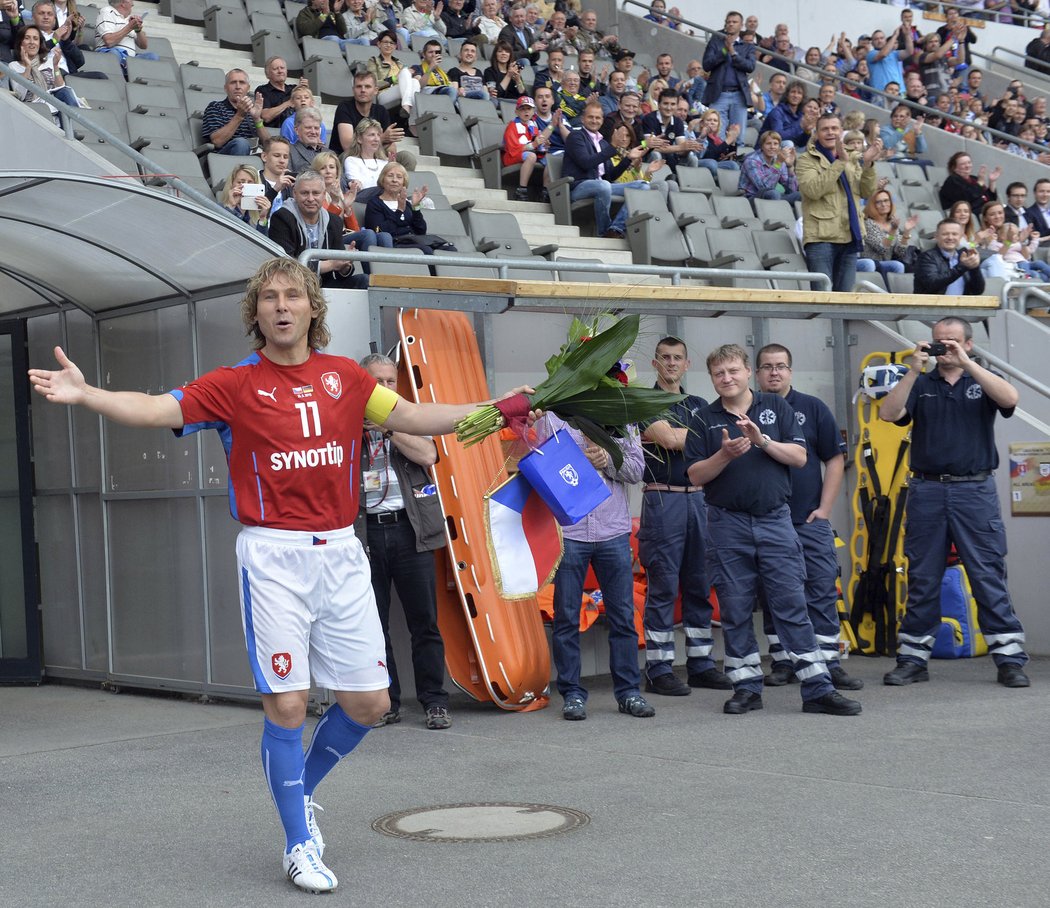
(482, 822)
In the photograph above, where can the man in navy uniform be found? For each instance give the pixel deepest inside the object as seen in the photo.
(952, 499)
(813, 494)
(671, 541)
(741, 450)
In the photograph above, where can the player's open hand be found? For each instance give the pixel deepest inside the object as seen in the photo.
(62, 386)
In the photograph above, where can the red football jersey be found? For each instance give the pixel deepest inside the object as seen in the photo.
(291, 435)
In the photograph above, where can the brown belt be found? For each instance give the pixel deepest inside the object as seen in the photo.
(663, 487)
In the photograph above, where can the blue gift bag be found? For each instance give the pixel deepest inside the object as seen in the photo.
(564, 478)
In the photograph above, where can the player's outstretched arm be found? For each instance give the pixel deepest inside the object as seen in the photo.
(132, 408)
(437, 419)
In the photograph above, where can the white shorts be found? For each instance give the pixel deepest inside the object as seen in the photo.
(307, 608)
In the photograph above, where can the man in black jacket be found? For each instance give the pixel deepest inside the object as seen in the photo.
(303, 223)
(588, 160)
(946, 270)
(404, 525)
(523, 40)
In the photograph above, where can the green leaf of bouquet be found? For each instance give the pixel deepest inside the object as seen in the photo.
(599, 436)
(617, 406)
(584, 366)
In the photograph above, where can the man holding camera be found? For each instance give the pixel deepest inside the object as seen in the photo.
(946, 269)
(952, 499)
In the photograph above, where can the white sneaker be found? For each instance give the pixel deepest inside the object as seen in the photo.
(311, 825)
(304, 867)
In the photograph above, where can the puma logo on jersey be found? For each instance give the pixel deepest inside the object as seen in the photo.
(270, 394)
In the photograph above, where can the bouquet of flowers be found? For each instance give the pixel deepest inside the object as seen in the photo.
(588, 385)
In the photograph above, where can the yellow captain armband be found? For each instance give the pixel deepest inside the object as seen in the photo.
(380, 404)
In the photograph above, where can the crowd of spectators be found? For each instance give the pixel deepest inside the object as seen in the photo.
(561, 67)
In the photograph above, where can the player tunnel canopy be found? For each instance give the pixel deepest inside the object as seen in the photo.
(105, 244)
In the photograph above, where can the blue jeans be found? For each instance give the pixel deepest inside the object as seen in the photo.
(611, 560)
(238, 145)
(1039, 270)
(601, 192)
(837, 260)
(365, 240)
(123, 54)
(732, 107)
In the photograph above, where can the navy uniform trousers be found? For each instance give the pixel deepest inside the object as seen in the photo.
(966, 513)
(742, 550)
(671, 549)
(822, 570)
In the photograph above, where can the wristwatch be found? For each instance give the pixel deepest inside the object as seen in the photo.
(765, 441)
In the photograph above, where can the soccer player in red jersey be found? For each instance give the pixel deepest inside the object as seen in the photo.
(290, 418)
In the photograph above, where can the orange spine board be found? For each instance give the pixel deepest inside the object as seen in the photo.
(495, 649)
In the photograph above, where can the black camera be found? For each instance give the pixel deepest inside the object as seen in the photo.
(937, 349)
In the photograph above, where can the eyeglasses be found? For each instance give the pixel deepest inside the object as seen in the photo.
(774, 367)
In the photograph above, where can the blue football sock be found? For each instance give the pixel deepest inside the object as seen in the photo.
(282, 760)
(335, 736)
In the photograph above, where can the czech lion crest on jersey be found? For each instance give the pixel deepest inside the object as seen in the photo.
(281, 663)
(333, 384)
(767, 417)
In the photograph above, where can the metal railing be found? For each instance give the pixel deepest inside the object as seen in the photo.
(503, 266)
(70, 114)
(1020, 300)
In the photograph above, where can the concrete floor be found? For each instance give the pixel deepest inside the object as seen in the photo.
(937, 795)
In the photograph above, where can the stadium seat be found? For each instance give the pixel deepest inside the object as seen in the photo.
(445, 265)
(422, 269)
(101, 94)
(272, 37)
(697, 179)
(560, 189)
(316, 47)
(688, 205)
(197, 101)
(528, 274)
(448, 224)
(153, 72)
(652, 231)
(774, 247)
(103, 63)
(439, 128)
(330, 77)
(159, 132)
(419, 178)
(728, 181)
(201, 78)
(228, 26)
(900, 283)
(220, 166)
(593, 277)
(109, 120)
(190, 12)
(183, 164)
(735, 211)
(775, 214)
(156, 100)
(500, 233)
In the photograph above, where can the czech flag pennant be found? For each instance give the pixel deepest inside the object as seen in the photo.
(523, 539)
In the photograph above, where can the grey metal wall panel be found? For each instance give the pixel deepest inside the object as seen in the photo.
(87, 435)
(50, 424)
(59, 590)
(229, 663)
(157, 589)
(220, 342)
(93, 582)
(148, 352)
